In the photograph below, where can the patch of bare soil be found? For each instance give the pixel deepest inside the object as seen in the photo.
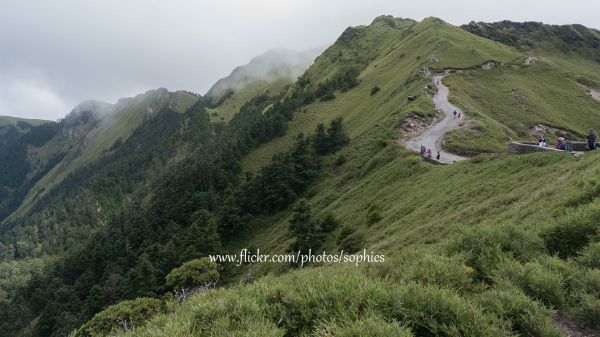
(414, 125)
(595, 94)
(529, 60)
(537, 130)
(570, 328)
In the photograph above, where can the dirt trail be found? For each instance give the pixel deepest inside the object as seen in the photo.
(432, 137)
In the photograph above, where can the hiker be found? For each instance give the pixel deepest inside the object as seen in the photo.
(422, 150)
(438, 156)
(429, 153)
(459, 115)
(560, 144)
(454, 113)
(542, 141)
(591, 140)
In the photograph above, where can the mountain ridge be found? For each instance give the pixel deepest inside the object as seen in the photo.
(183, 184)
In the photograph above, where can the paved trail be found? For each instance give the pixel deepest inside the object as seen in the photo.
(432, 137)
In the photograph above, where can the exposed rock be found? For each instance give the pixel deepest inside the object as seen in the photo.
(595, 94)
(414, 124)
(537, 130)
(529, 60)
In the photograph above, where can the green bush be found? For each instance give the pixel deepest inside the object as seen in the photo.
(527, 317)
(234, 316)
(486, 248)
(432, 311)
(346, 230)
(122, 316)
(588, 310)
(366, 327)
(194, 273)
(571, 234)
(534, 279)
(375, 90)
(353, 243)
(373, 215)
(446, 272)
(329, 222)
(590, 256)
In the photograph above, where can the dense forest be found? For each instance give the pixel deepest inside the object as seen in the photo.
(154, 219)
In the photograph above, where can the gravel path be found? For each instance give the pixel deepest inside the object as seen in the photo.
(432, 137)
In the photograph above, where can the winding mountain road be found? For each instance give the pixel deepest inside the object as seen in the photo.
(432, 138)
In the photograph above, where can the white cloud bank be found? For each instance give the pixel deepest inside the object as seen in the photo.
(55, 54)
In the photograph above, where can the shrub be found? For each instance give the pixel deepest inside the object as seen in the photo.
(329, 222)
(446, 272)
(344, 233)
(366, 327)
(233, 316)
(588, 310)
(122, 316)
(192, 274)
(353, 243)
(373, 215)
(590, 256)
(571, 234)
(486, 248)
(533, 279)
(340, 160)
(431, 311)
(527, 317)
(375, 90)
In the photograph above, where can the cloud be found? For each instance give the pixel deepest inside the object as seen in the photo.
(65, 51)
(30, 99)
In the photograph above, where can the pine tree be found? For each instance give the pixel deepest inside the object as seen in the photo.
(321, 140)
(202, 236)
(304, 229)
(337, 135)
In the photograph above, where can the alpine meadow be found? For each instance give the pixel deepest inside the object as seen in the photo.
(123, 219)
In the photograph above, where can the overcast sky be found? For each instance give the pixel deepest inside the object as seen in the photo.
(55, 54)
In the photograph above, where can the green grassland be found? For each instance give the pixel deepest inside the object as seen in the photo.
(493, 246)
(7, 120)
(508, 100)
(437, 223)
(232, 105)
(397, 57)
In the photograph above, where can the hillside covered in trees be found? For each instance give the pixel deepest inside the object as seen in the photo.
(108, 215)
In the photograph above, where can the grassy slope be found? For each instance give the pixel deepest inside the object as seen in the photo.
(421, 204)
(232, 105)
(496, 99)
(128, 114)
(554, 87)
(8, 120)
(395, 57)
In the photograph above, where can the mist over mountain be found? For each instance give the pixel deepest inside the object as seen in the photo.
(272, 65)
(109, 216)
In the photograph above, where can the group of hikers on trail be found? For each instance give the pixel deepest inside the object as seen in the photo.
(457, 114)
(428, 153)
(562, 144)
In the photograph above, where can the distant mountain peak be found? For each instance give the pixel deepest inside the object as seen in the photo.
(272, 65)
